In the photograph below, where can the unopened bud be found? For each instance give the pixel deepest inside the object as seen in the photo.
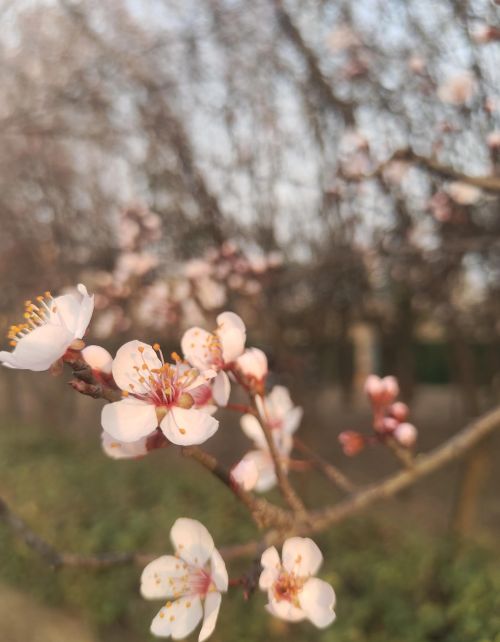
(98, 358)
(399, 411)
(406, 434)
(352, 442)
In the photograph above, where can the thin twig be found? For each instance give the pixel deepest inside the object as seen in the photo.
(329, 470)
(289, 495)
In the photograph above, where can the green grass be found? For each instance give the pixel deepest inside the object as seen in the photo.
(393, 583)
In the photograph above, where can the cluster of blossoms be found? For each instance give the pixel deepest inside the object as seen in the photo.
(185, 296)
(389, 418)
(156, 402)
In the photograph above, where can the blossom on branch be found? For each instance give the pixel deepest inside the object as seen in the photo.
(293, 593)
(216, 350)
(193, 581)
(50, 327)
(156, 393)
(256, 468)
(251, 369)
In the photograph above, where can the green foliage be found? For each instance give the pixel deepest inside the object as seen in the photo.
(391, 584)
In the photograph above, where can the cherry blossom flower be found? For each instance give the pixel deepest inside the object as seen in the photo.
(294, 593)
(50, 327)
(193, 581)
(216, 350)
(283, 418)
(123, 450)
(252, 369)
(156, 394)
(381, 391)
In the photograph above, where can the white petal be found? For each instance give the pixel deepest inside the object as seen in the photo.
(98, 358)
(221, 388)
(155, 578)
(64, 310)
(192, 541)
(128, 357)
(265, 468)
(292, 420)
(86, 311)
(271, 565)
(121, 450)
(253, 430)
(317, 599)
(232, 334)
(284, 609)
(211, 607)
(245, 473)
(188, 427)
(301, 556)
(129, 419)
(195, 345)
(279, 401)
(39, 349)
(218, 571)
(178, 620)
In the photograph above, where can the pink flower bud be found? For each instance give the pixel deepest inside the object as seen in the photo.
(387, 426)
(373, 386)
(352, 442)
(399, 411)
(98, 358)
(406, 434)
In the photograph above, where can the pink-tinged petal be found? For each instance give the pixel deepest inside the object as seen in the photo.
(128, 357)
(292, 420)
(129, 419)
(317, 599)
(245, 474)
(188, 427)
(221, 388)
(179, 619)
(158, 579)
(197, 347)
(284, 609)
(301, 556)
(406, 434)
(98, 358)
(211, 608)
(232, 334)
(253, 430)
(121, 450)
(218, 571)
(39, 349)
(192, 541)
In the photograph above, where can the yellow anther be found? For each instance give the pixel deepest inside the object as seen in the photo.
(125, 393)
(47, 295)
(27, 315)
(145, 366)
(175, 357)
(141, 349)
(39, 299)
(156, 347)
(13, 343)
(188, 604)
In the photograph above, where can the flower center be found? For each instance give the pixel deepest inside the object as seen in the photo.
(163, 386)
(35, 315)
(195, 581)
(287, 587)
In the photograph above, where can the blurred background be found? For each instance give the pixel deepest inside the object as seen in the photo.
(330, 170)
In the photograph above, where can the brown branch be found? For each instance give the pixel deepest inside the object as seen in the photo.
(424, 465)
(452, 449)
(289, 495)
(330, 471)
(263, 512)
(487, 183)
